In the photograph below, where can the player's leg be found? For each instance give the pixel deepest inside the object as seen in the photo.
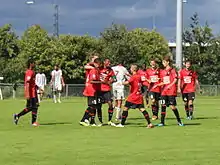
(119, 97)
(39, 94)
(191, 98)
(99, 113)
(186, 104)
(154, 105)
(34, 110)
(124, 114)
(172, 103)
(54, 95)
(163, 110)
(23, 112)
(146, 116)
(85, 119)
(59, 93)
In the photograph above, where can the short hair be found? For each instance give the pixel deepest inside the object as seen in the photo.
(188, 61)
(135, 67)
(56, 65)
(97, 60)
(29, 62)
(167, 59)
(92, 55)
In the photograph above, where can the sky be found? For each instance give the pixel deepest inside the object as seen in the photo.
(93, 16)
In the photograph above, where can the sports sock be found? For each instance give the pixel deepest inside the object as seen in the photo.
(23, 112)
(154, 110)
(163, 113)
(34, 115)
(176, 113)
(191, 109)
(54, 98)
(86, 115)
(59, 96)
(187, 110)
(124, 117)
(99, 112)
(92, 115)
(146, 116)
(110, 113)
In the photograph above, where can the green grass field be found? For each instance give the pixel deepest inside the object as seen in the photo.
(60, 140)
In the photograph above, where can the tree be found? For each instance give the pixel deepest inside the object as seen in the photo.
(8, 50)
(202, 50)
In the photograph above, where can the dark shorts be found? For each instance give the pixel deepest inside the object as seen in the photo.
(133, 106)
(168, 100)
(93, 100)
(106, 96)
(154, 95)
(32, 103)
(188, 96)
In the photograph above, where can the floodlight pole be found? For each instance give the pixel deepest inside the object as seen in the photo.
(179, 32)
(29, 3)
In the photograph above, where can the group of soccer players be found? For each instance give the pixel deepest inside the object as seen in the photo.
(160, 85)
(34, 89)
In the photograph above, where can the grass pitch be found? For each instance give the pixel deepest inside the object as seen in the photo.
(60, 140)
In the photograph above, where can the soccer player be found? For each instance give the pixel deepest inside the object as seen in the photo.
(152, 75)
(135, 98)
(30, 95)
(107, 77)
(168, 85)
(57, 83)
(121, 74)
(92, 92)
(188, 80)
(144, 88)
(40, 81)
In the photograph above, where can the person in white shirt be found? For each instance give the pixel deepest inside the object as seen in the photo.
(40, 81)
(121, 74)
(57, 83)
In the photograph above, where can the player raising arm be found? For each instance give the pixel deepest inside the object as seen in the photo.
(30, 95)
(168, 85)
(188, 80)
(135, 98)
(92, 92)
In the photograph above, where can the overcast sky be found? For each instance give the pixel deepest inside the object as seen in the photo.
(92, 16)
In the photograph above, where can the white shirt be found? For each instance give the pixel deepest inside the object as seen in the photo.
(56, 77)
(121, 73)
(40, 79)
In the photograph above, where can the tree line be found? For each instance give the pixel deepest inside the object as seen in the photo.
(116, 42)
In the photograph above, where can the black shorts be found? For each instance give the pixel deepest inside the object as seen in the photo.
(168, 100)
(93, 100)
(32, 103)
(188, 96)
(106, 96)
(133, 106)
(154, 95)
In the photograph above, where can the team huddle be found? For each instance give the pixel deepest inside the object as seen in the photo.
(159, 85)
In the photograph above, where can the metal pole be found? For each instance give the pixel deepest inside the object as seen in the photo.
(179, 32)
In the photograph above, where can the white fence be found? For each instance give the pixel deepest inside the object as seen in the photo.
(72, 90)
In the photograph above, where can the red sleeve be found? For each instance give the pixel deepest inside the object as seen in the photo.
(29, 75)
(195, 75)
(180, 75)
(112, 73)
(93, 74)
(131, 79)
(174, 74)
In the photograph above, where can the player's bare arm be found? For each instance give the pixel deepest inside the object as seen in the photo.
(89, 66)
(125, 83)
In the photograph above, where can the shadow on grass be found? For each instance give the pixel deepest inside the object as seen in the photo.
(206, 118)
(57, 123)
(189, 124)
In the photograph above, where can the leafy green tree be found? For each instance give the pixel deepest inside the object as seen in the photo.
(202, 49)
(8, 50)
